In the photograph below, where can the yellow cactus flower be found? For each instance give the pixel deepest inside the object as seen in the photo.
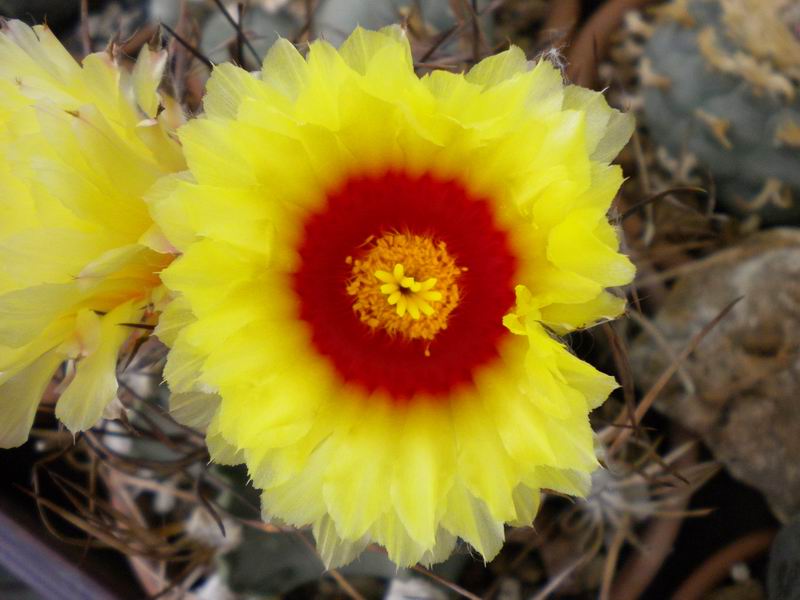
(373, 268)
(80, 145)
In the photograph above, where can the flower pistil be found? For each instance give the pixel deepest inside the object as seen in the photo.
(405, 284)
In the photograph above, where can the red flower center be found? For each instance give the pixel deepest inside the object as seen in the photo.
(366, 208)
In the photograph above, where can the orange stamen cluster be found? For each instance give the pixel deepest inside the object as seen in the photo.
(405, 284)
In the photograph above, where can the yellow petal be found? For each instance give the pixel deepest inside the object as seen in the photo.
(212, 155)
(284, 69)
(470, 518)
(442, 549)
(227, 87)
(426, 457)
(363, 47)
(333, 550)
(147, 73)
(564, 318)
(526, 502)
(19, 398)
(357, 492)
(402, 549)
(298, 500)
(219, 449)
(95, 384)
(574, 246)
(28, 258)
(175, 316)
(479, 444)
(609, 129)
(496, 69)
(565, 481)
(25, 313)
(194, 409)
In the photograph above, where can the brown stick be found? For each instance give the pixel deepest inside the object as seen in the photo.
(238, 26)
(640, 569)
(592, 40)
(559, 27)
(192, 50)
(448, 584)
(666, 375)
(86, 38)
(612, 557)
(718, 566)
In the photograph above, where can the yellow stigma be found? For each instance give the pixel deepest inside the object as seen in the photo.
(405, 284)
(408, 294)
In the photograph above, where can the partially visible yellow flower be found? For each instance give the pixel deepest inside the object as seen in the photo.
(80, 146)
(373, 266)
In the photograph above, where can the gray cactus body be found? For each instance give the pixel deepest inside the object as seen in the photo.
(744, 152)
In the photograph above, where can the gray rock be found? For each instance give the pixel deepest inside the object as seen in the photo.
(116, 19)
(168, 11)
(753, 155)
(783, 572)
(741, 389)
(746, 590)
(335, 19)
(413, 587)
(263, 29)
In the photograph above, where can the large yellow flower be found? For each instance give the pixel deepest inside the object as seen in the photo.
(80, 146)
(373, 269)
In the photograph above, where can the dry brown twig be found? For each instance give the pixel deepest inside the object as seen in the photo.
(86, 37)
(651, 395)
(241, 37)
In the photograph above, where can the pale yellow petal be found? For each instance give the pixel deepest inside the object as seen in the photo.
(20, 396)
(299, 500)
(526, 501)
(334, 551)
(357, 492)
(470, 519)
(402, 549)
(25, 313)
(442, 549)
(94, 386)
(226, 88)
(426, 457)
(219, 449)
(194, 409)
(362, 47)
(499, 67)
(564, 318)
(284, 69)
(147, 74)
(574, 246)
(175, 316)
